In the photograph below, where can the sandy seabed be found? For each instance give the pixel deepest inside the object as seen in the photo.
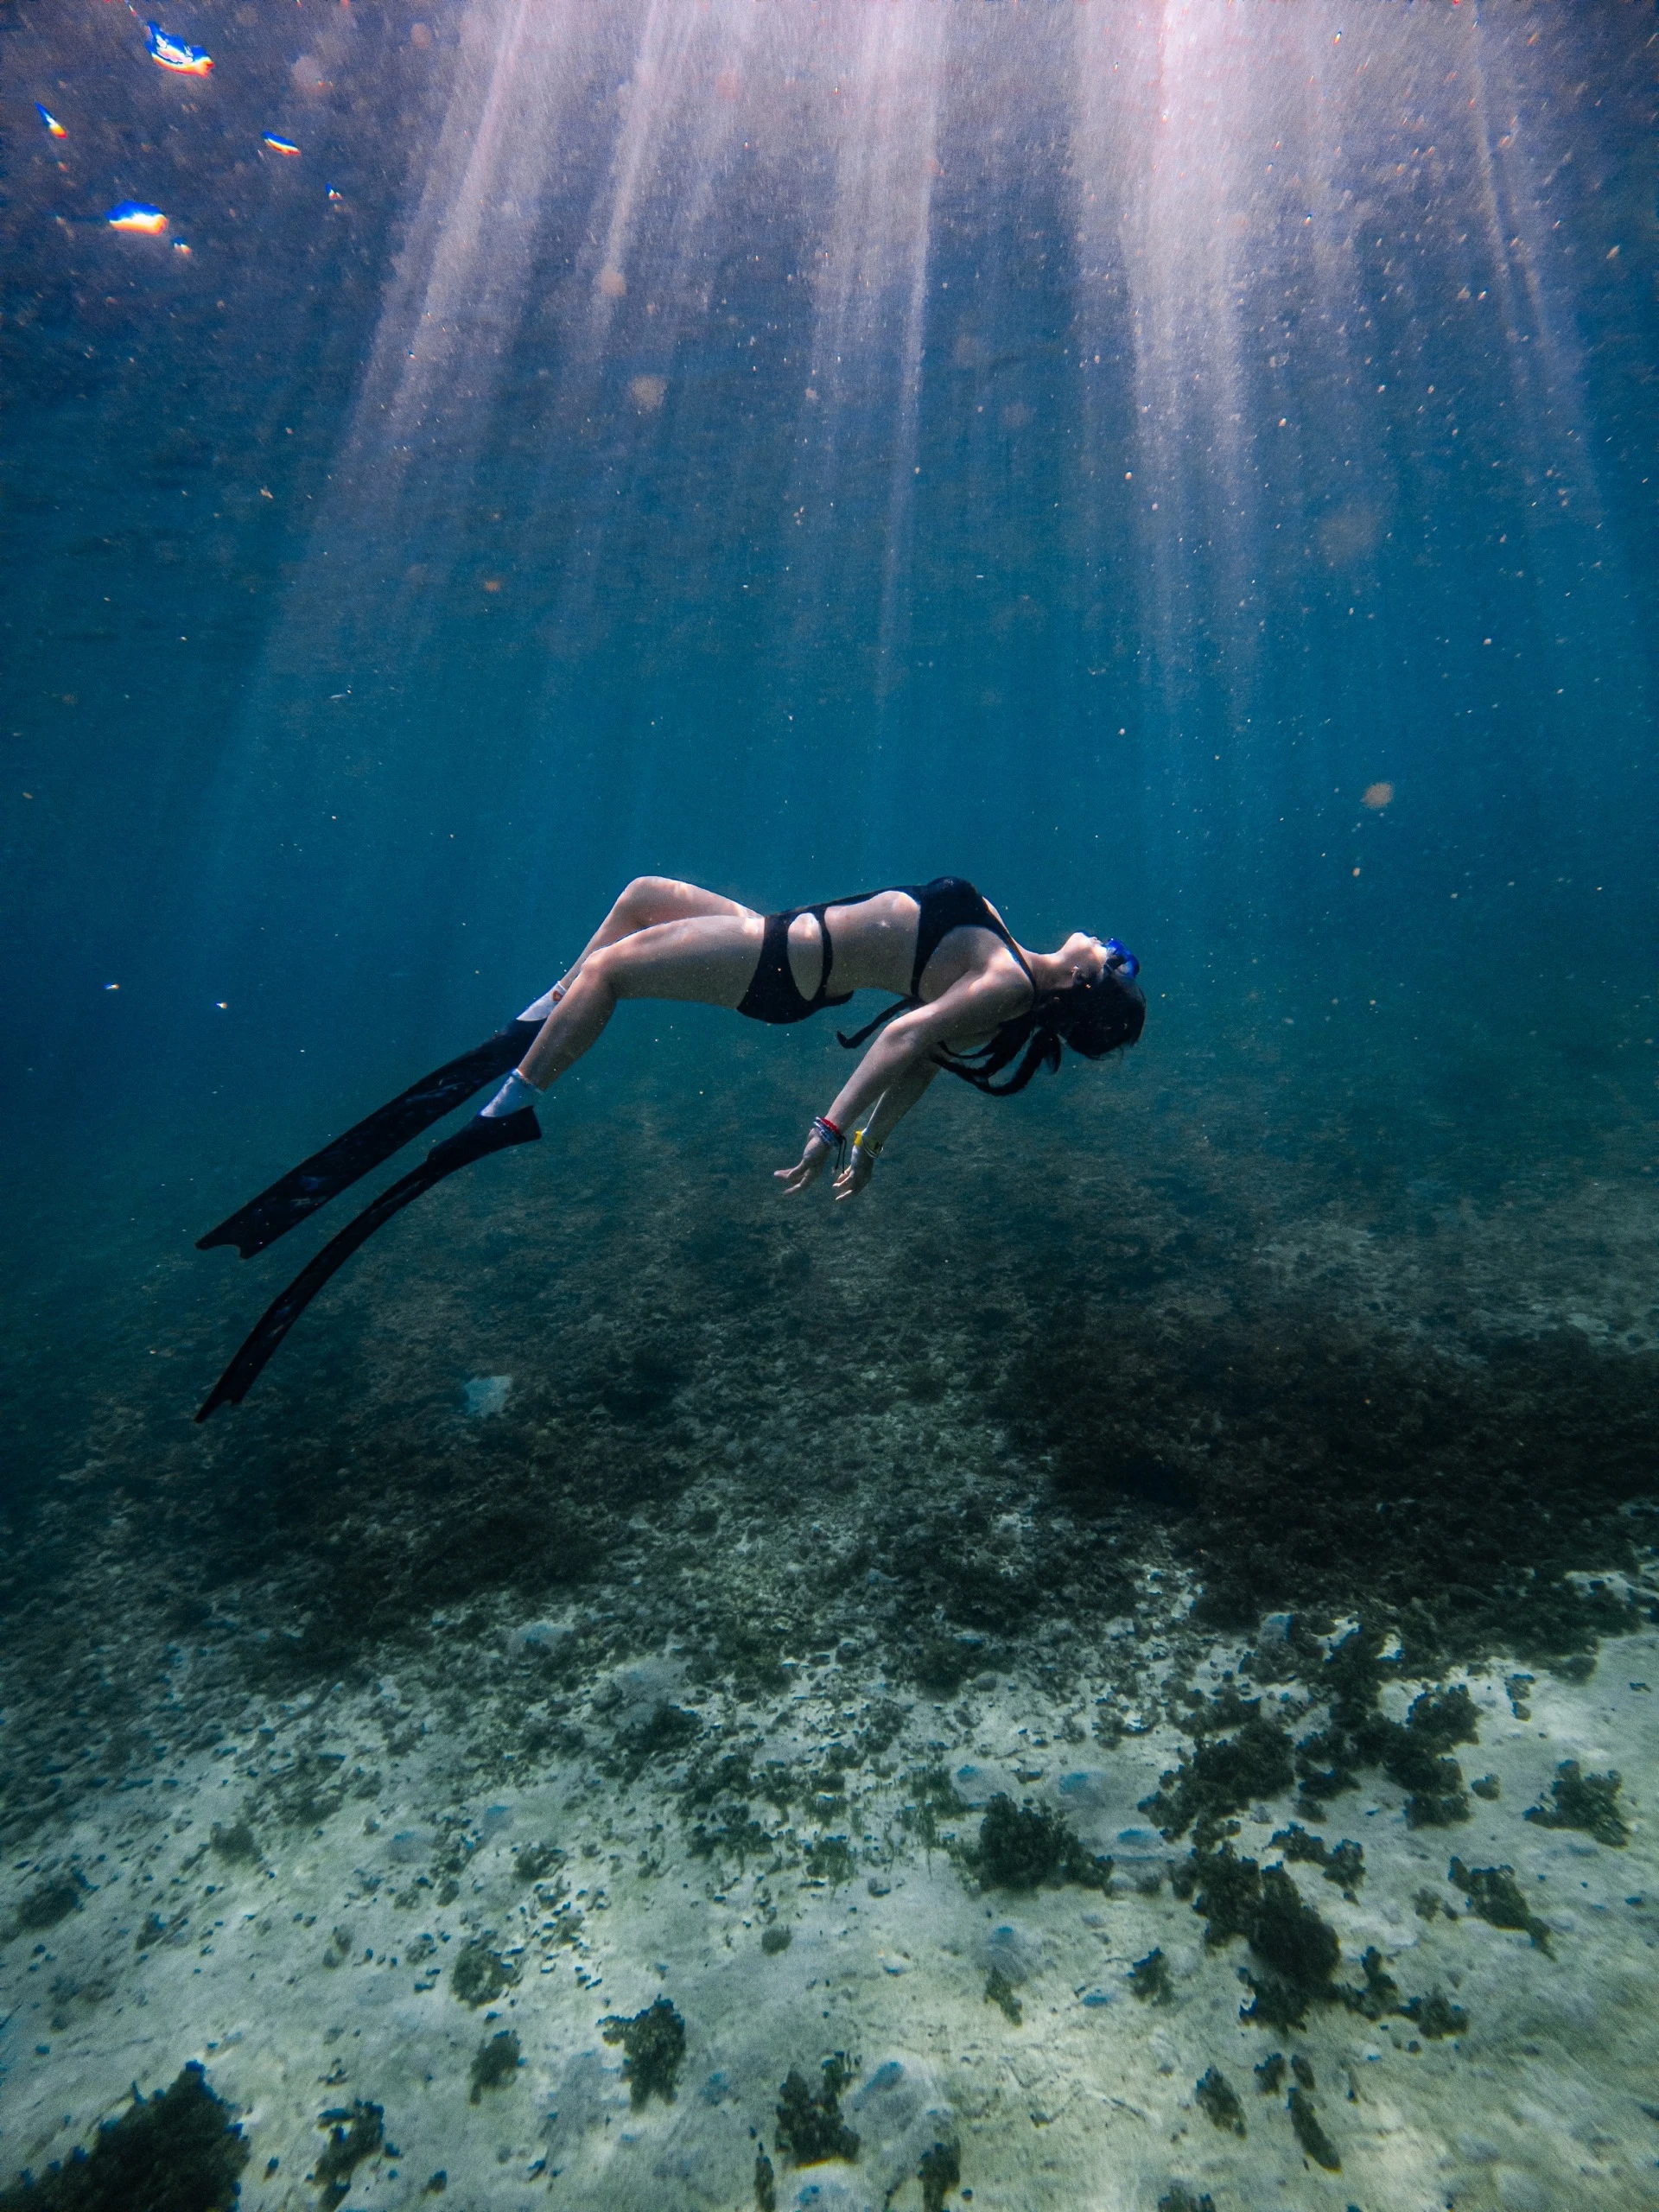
(656, 1628)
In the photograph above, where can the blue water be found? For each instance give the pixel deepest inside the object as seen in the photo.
(1190, 469)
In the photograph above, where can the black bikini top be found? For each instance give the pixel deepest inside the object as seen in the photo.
(949, 902)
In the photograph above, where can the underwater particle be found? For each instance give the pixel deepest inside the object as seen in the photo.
(1270, 2074)
(48, 1903)
(1584, 1801)
(999, 1991)
(178, 2150)
(1023, 1846)
(236, 1842)
(136, 215)
(810, 2126)
(497, 2059)
(1435, 2016)
(1376, 796)
(653, 2045)
(358, 2131)
(480, 1975)
(1178, 2198)
(1149, 1978)
(1494, 1898)
(777, 1938)
(939, 2172)
(52, 127)
(610, 285)
(174, 53)
(279, 145)
(647, 393)
(488, 1394)
(766, 2184)
(1309, 2134)
(1218, 2099)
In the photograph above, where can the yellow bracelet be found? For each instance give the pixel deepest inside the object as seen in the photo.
(859, 1144)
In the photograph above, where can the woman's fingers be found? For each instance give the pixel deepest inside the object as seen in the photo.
(853, 1178)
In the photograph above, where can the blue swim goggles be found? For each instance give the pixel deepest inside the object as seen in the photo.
(1121, 960)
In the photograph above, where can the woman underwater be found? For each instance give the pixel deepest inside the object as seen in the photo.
(969, 1000)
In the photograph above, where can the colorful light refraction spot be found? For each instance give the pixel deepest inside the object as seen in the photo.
(174, 53)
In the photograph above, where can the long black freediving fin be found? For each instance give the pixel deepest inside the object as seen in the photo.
(480, 1138)
(298, 1194)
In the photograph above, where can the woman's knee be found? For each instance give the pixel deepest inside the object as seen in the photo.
(647, 899)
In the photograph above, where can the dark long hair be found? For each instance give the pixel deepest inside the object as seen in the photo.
(1093, 1018)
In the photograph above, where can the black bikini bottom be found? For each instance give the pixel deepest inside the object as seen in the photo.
(773, 993)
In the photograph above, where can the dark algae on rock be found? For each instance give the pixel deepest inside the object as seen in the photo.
(1435, 2016)
(1216, 2097)
(356, 2131)
(1149, 1978)
(1270, 2074)
(1494, 1896)
(1345, 1865)
(810, 2126)
(495, 2062)
(178, 2150)
(766, 2184)
(1001, 1992)
(653, 2046)
(480, 1975)
(1585, 1801)
(1024, 1847)
(939, 2172)
(1296, 1952)
(48, 1903)
(1309, 2134)
(1239, 1756)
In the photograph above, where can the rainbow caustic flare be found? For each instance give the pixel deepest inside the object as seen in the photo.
(54, 127)
(279, 145)
(133, 215)
(174, 53)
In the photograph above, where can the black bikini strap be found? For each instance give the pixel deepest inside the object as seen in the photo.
(899, 1005)
(827, 944)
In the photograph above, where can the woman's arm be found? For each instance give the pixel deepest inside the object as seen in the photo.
(891, 1109)
(973, 1007)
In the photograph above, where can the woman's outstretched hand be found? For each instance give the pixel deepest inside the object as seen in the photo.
(806, 1170)
(855, 1175)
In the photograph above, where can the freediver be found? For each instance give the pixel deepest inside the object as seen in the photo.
(971, 1002)
(970, 998)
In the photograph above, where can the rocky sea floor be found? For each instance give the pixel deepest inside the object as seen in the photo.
(631, 1707)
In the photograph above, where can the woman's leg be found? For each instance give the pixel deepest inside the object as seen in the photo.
(661, 940)
(648, 900)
